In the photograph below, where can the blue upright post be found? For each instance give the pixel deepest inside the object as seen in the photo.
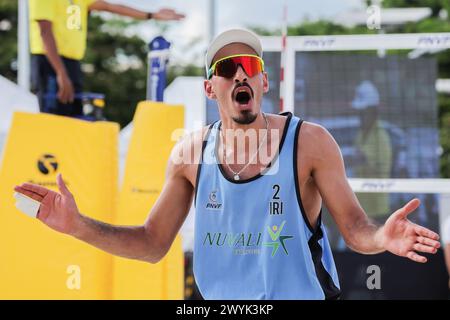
(157, 60)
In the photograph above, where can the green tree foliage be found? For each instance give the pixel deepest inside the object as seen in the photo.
(8, 39)
(115, 65)
(314, 28)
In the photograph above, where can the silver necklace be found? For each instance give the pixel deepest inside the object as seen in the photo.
(236, 175)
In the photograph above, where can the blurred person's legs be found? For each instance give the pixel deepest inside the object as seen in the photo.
(44, 84)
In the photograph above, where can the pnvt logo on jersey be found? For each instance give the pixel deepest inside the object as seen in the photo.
(213, 201)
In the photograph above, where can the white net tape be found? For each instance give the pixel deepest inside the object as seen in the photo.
(441, 186)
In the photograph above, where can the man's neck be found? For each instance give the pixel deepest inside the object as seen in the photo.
(229, 123)
(246, 140)
(234, 133)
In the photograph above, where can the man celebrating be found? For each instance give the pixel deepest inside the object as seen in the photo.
(58, 31)
(258, 231)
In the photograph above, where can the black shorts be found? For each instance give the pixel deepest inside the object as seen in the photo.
(45, 86)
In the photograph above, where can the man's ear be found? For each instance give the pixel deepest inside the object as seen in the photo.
(209, 90)
(265, 82)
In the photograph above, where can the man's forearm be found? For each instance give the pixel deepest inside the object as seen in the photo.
(122, 10)
(363, 237)
(132, 242)
(51, 52)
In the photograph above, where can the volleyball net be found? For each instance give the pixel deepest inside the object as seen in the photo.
(377, 95)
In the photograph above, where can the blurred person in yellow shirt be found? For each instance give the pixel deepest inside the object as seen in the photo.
(58, 33)
(374, 148)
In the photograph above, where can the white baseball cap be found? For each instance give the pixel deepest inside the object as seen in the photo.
(232, 36)
(366, 96)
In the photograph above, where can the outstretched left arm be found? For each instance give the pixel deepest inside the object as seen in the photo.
(163, 14)
(398, 235)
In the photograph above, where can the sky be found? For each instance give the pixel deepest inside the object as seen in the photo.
(189, 37)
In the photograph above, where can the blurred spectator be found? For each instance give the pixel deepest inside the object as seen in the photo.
(58, 32)
(373, 148)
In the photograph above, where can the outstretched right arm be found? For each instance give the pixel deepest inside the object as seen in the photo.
(148, 242)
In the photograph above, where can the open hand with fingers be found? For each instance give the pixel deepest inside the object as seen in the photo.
(404, 238)
(58, 210)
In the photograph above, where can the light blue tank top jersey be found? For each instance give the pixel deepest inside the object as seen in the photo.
(252, 238)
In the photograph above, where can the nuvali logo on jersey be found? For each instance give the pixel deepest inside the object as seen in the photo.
(250, 242)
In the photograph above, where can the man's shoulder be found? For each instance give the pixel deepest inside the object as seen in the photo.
(315, 144)
(186, 153)
(313, 133)
(195, 138)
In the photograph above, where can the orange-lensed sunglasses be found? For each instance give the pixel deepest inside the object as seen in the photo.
(227, 66)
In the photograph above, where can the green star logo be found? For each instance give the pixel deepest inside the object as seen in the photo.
(277, 238)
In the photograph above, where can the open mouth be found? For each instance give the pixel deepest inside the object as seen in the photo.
(243, 95)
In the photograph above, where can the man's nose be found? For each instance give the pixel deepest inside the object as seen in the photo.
(240, 75)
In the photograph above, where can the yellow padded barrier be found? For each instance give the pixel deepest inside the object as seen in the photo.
(35, 261)
(149, 150)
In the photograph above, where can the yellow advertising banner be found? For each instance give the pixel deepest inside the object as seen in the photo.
(35, 261)
(155, 128)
